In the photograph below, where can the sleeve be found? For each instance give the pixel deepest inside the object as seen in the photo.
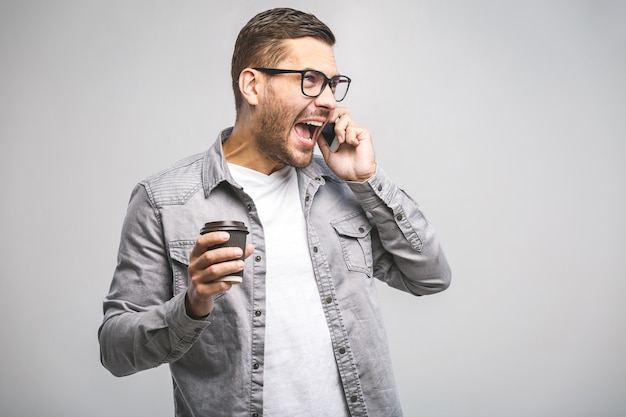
(407, 252)
(144, 325)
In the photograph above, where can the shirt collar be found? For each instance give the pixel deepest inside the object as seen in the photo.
(215, 168)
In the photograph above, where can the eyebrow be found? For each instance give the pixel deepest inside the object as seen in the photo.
(315, 69)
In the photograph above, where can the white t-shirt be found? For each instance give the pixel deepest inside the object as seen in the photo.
(300, 376)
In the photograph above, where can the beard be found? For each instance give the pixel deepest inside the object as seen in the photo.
(275, 122)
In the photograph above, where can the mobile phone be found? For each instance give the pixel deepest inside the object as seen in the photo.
(328, 132)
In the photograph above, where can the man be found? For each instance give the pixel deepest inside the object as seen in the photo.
(302, 335)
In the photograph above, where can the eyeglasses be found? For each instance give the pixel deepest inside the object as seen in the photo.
(314, 82)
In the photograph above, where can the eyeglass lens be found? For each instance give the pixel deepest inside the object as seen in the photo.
(314, 82)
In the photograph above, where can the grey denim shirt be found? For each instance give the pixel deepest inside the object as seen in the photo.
(356, 232)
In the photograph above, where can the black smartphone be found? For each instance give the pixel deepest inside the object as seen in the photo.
(328, 132)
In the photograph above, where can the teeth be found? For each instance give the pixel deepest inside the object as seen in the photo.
(313, 123)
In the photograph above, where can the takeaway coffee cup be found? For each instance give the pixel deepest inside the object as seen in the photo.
(238, 232)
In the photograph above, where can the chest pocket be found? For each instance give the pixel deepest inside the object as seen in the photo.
(354, 233)
(179, 259)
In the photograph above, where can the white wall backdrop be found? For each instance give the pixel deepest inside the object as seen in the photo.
(506, 120)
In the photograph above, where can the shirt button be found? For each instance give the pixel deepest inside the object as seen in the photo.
(255, 365)
(249, 207)
(257, 258)
(329, 300)
(354, 398)
(342, 350)
(307, 198)
(380, 188)
(255, 414)
(399, 217)
(361, 230)
(258, 313)
(315, 249)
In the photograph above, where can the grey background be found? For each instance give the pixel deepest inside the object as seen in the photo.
(504, 119)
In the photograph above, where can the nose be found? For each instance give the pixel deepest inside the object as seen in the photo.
(326, 99)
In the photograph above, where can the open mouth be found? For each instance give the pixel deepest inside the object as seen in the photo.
(308, 130)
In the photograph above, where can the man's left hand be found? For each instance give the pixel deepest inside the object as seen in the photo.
(354, 160)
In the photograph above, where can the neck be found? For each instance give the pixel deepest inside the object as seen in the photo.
(241, 149)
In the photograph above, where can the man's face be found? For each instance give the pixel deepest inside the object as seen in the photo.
(287, 122)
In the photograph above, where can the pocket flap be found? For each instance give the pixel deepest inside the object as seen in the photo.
(180, 250)
(355, 226)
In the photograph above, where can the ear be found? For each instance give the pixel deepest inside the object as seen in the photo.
(249, 86)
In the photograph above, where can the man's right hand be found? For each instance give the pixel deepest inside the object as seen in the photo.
(205, 266)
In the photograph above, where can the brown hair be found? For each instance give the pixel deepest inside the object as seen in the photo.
(259, 42)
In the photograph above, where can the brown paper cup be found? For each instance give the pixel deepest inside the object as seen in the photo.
(238, 232)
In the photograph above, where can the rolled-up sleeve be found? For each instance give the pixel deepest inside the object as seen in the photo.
(407, 252)
(144, 324)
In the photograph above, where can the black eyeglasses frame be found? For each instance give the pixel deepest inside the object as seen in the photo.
(327, 81)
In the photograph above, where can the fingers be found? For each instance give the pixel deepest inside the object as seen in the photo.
(205, 266)
(218, 262)
(206, 241)
(354, 159)
(249, 249)
(346, 130)
(342, 122)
